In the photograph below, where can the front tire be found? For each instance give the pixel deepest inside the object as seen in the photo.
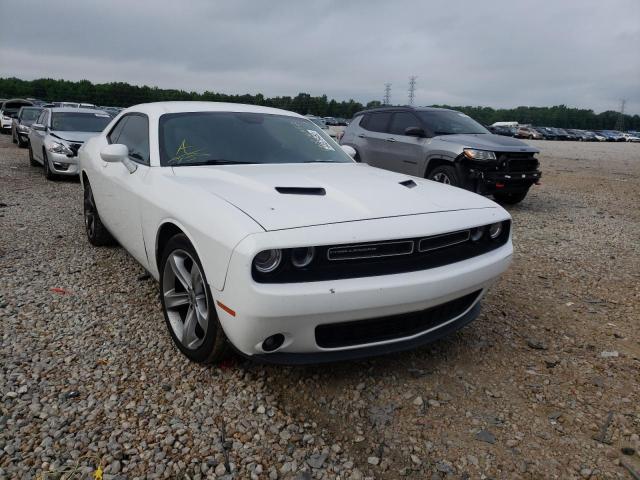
(49, 175)
(444, 174)
(510, 198)
(32, 160)
(97, 233)
(188, 306)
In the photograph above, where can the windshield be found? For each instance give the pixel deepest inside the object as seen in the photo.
(30, 114)
(79, 122)
(448, 122)
(218, 138)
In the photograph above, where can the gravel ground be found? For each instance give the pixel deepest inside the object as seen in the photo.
(89, 376)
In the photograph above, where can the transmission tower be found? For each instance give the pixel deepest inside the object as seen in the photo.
(620, 122)
(387, 94)
(412, 88)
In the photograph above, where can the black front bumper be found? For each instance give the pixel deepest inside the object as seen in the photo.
(490, 182)
(358, 353)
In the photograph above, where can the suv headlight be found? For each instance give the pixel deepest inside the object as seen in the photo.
(57, 147)
(473, 154)
(23, 128)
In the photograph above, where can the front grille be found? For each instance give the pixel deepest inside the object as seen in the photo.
(333, 262)
(336, 335)
(518, 162)
(74, 148)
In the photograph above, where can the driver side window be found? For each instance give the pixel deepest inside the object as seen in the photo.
(133, 131)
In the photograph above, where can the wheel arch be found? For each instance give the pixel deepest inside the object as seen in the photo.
(437, 161)
(167, 229)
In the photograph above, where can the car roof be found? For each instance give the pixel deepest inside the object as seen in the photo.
(404, 108)
(160, 108)
(75, 110)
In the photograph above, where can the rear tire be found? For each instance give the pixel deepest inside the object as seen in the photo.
(444, 174)
(510, 198)
(97, 233)
(188, 307)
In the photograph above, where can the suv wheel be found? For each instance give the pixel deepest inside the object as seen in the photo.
(510, 198)
(444, 174)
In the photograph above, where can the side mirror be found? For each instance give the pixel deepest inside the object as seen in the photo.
(39, 127)
(349, 150)
(415, 132)
(114, 153)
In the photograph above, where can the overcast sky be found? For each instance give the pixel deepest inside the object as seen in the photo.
(583, 53)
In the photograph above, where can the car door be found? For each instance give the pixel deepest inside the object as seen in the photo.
(372, 137)
(37, 136)
(120, 191)
(403, 153)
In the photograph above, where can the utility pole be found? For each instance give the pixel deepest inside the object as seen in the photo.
(412, 89)
(387, 94)
(620, 122)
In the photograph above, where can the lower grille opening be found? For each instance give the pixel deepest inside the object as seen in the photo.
(336, 335)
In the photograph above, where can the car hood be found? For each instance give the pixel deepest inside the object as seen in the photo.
(352, 192)
(489, 141)
(75, 137)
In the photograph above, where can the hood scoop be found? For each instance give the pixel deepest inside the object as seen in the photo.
(408, 183)
(301, 190)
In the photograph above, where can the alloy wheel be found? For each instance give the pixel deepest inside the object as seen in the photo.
(185, 299)
(442, 178)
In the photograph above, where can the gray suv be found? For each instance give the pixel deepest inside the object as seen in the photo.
(446, 146)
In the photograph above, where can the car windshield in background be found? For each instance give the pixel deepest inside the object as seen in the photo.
(445, 122)
(221, 138)
(79, 122)
(30, 114)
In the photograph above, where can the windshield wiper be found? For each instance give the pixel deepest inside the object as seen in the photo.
(442, 133)
(212, 161)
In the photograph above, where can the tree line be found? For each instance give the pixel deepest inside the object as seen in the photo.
(121, 94)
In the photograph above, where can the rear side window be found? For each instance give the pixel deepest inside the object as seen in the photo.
(401, 121)
(135, 135)
(377, 122)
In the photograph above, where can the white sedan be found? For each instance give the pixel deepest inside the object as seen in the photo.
(267, 237)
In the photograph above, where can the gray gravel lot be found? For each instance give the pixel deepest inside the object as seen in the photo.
(89, 376)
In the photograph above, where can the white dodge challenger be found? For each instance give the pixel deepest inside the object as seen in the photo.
(267, 237)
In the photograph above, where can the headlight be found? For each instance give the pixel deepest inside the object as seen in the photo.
(302, 257)
(267, 260)
(495, 229)
(57, 147)
(23, 128)
(474, 154)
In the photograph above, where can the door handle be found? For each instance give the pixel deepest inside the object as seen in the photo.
(362, 135)
(391, 139)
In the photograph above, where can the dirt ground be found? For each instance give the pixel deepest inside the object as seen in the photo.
(544, 384)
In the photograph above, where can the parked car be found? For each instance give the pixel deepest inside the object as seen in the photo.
(20, 126)
(58, 133)
(502, 130)
(630, 137)
(547, 133)
(8, 110)
(580, 135)
(333, 133)
(528, 132)
(446, 146)
(612, 135)
(265, 235)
